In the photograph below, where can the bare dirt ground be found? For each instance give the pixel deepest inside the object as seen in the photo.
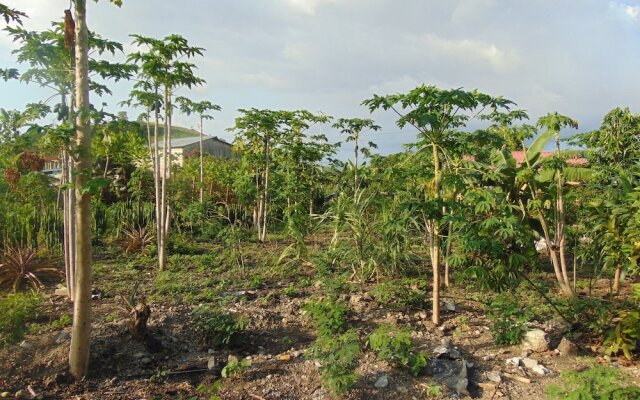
(275, 340)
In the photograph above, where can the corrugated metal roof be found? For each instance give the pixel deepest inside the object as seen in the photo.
(182, 142)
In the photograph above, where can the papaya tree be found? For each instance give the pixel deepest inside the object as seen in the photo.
(435, 114)
(200, 108)
(162, 67)
(353, 128)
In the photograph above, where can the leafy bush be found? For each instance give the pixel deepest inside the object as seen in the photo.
(63, 321)
(217, 326)
(235, 366)
(15, 311)
(394, 345)
(597, 383)
(625, 337)
(328, 316)
(338, 356)
(137, 239)
(20, 264)
(509, 320)
(402, 294)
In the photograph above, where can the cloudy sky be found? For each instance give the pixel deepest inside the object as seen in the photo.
(577, 57)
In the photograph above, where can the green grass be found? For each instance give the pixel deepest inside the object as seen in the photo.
(177, 132)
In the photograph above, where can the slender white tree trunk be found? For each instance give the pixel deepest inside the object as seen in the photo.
(81, 330)
(201, 162)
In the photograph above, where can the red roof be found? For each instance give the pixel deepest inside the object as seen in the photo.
(519, 156)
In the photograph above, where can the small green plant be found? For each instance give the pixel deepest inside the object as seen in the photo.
(394, 345)
(338, 356)
(597, 383)
(16, 310)
(625, 337)
(64, 321)
(210, 391)
(509, 320)
(19, 265)
(402, 294)
(235, 366)
(328, 315)
(290, 291)
(217, 326)
(286, 341)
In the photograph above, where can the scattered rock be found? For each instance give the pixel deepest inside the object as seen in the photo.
(146, 360)
(449, 305)
(284, 357)
(529, 362)
(63, 337)
(514, 361)
(557, 327)
(536, 340)
(494, 376)
(402, 389)
(449, 367)
(211, 363)
(567, 347)
(382, 381)
(540, 369)
(139, 355)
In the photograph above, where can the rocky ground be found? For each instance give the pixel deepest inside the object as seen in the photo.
(464, 362)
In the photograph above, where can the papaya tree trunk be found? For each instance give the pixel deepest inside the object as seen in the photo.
(81, 330)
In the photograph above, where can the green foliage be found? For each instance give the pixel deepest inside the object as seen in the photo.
(16, 310)
(210, 391)
(217, 326)
(509, 320)
(62, 322)
(394, 345)
(596, 383)
(402, 294)
(625, 337)
(19, 265)
(338, 355)
(328, 315)
(235, 366)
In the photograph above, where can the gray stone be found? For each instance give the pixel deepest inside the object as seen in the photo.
(494, 376)
(536, 340)
(146, 360)
(567, 347)
(449, 305)
(540, 370)
(211, 363)
(453, 373)
(139, 355)
(63, 337)
(514, 361)
(529, 363)
(382, 382)
(402, 389)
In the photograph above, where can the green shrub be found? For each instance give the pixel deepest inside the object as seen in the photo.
(328, 315)
(597, 383)
(394, 345)
(235, 366)
(625, 337)
(16, 310)
(402, 294)
(217, 326)
(509, 320)
(338, 356)
(63, 321)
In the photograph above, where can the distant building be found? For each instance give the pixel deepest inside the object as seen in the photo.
(52, 167)
(184, 147)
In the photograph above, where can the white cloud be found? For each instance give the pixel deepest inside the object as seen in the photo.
(632, 11)
(470, 50)
(626, 10)
(309, 7)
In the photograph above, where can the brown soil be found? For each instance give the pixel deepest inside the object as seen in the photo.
(122, 368)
